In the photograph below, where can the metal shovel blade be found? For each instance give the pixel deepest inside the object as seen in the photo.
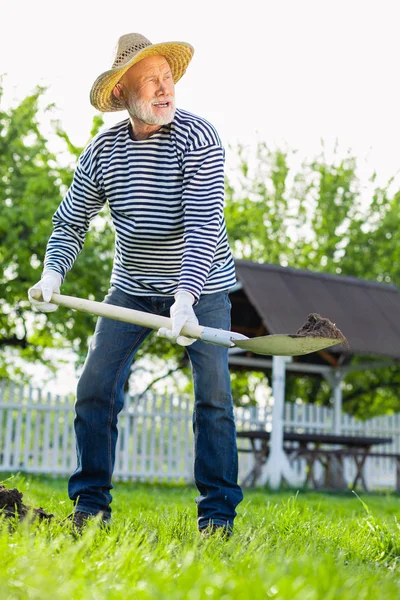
(286, 345)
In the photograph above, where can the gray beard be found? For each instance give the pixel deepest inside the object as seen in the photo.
(141, 109)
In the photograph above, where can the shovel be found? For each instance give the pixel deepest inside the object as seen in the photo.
(271, 345)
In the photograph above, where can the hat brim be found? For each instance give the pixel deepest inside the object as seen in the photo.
(178, 55)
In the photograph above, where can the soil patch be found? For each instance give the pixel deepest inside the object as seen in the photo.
(317, 326)
(11, 505)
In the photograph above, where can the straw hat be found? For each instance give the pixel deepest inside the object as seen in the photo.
(131, 48)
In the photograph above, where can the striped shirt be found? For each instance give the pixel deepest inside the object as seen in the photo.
(166, 197)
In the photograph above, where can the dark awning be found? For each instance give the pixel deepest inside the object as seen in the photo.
(367, 312)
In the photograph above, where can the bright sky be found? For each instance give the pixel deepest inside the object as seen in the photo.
(284, 71)
(289, 72)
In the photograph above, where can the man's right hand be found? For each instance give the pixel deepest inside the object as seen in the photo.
(41, 293)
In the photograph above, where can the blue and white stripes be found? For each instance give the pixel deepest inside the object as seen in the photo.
(166, 197)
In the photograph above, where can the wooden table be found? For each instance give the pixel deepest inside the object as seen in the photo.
(329, 450)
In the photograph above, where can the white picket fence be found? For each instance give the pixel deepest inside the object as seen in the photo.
(155, 435)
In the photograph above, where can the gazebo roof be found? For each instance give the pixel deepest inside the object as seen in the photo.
(275, 299)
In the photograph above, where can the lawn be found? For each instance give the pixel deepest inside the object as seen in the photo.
(308, 546)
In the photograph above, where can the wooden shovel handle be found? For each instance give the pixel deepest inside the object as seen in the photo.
(127, 315)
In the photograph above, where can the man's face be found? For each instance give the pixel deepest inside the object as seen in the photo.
(148, 91)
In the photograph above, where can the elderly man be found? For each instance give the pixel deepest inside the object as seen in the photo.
(162, 173)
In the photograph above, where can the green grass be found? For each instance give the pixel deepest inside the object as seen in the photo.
(306, 546)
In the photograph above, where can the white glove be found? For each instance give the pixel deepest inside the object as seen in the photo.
(50, 282)
(181, 313)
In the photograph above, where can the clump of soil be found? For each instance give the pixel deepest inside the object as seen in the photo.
(11, 505)
(317, 326)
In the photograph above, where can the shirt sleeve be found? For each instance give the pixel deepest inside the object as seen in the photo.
(83, 201)
(203, 205)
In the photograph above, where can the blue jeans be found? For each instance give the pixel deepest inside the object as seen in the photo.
(100, 397)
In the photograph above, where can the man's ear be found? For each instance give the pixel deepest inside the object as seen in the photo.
(117, 91)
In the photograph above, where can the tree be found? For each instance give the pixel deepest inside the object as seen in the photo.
(308, 216)
(280, 216)
(32, 184)
(317, 219)
(31, 187)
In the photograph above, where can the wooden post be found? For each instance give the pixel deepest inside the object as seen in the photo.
(277, 466)
(335, 379)
(337, 402)
(334, 475)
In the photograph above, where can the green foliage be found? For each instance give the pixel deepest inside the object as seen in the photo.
(318, 217)
(27, 180)
(314, 216)
(245, 387)
(257, 207)
(279, 215)
(32, 184)
(31, 187)
(311, 546)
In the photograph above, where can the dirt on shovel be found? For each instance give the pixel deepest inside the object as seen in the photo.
(11, 506)
(317, 326)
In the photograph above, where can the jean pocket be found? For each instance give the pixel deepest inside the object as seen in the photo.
(116, 296)
(228, 300)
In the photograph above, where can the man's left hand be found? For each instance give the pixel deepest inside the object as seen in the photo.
(181, 313)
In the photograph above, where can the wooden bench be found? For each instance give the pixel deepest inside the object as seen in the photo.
(325, 456)
(328, 448)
